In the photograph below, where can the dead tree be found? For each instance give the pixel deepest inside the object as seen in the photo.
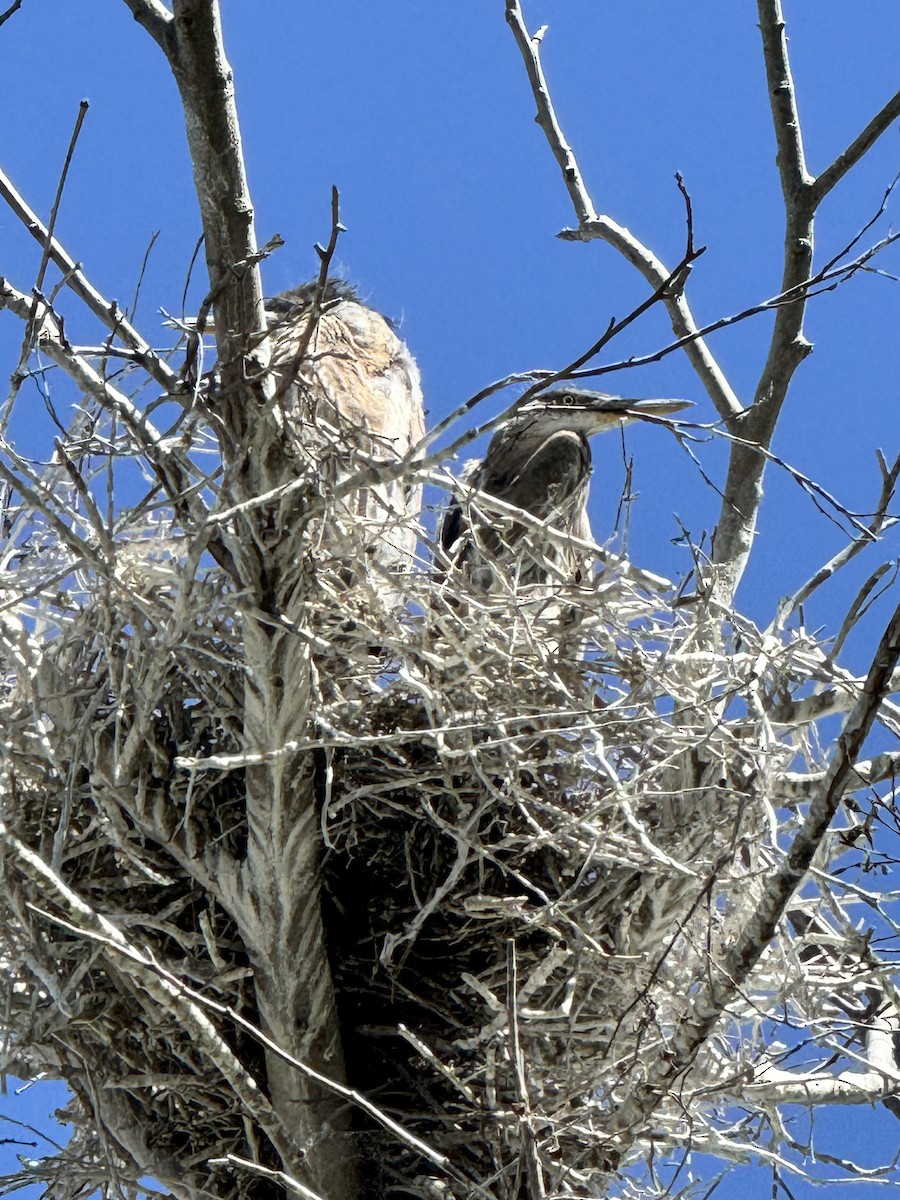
(331, 873)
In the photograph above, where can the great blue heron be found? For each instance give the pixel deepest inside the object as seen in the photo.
(538, 461)
(348, 400)
(349, 389)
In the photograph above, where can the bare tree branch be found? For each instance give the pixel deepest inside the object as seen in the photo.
(860, 145)
(13, 8)
(795, 179)
(196, 54)
(156, 19)
(287, 1182)
(592, 226)
(107, 311)
(54, 211)
(178, 475)
(31, 489)
(52, 342)
(529, 45)
(823, 281)
(799, 787)
(706, 1006)
(880, 520)
(532, 1160)
(743, 489)
(870, 590)
(840, 697)
(282, 916)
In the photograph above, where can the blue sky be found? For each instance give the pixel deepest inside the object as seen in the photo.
(421, 114)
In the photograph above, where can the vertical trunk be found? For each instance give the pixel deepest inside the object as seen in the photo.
(294, 988)
(281, 920)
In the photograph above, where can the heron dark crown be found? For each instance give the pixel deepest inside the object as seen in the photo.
(302, 297)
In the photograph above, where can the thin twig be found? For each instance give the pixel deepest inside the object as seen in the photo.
(13, 8)
(132, 308)
(107, 311)
(593, 226)
(880, 520)
(822, 282)
(536, 1187)
(47, 249)
(326, 255)
(175, 470)
(870, 592)
(54, 211)
(288, 1182)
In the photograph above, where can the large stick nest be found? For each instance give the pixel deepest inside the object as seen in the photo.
(537, 811)
(541, 812)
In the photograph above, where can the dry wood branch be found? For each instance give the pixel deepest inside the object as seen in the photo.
(291, 1185)
(156, 19)
(532, 1161)
(788, 347)
(107, 311)
(840, 697)
(866, 773)
(193, 44)
(592, 226)
(829, 277)
(795, 178)
(169, 995)
(13, 8)
(727, 976)
(880, 520)
(176, 472)
(857, 149)
(529, 46)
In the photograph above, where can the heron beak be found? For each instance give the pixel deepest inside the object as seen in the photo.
(621, 410)
(595, 412)
(655, 408)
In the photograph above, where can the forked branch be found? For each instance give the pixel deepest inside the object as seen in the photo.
(592, 226)
(725, 978)
(108, 311)
(742, 494)
(191, 38)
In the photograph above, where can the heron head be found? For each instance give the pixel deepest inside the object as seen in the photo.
(587, 412)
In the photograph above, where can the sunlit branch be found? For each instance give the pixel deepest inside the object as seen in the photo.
(798, 787)
(155, 18)
(194, 47)
(593, 226)
(105, 310)
(662, 1070)
(857, 149)
(838, 697)
(79, 917)
(880, 520)
(175, 471)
